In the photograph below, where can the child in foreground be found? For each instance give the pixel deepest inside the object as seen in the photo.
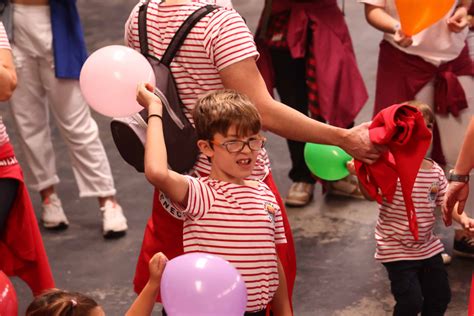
(418, 278)
(63, 303)
(225, 214)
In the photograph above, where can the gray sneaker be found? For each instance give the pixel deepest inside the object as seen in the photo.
(52, 214)
(299, 194)
(114, 223)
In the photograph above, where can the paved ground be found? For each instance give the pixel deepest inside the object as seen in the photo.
(337, 274)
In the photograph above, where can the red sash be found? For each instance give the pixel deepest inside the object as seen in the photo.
(21, 247)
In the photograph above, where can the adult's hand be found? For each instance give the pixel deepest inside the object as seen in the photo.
(357, 144)
(402, 39)
(458, 21)
(456, 192)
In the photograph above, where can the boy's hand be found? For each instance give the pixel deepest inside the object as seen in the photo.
(458, 21)
(402, 39)
(156, 266)
(146, 97)
(351, 167)
(467, 224)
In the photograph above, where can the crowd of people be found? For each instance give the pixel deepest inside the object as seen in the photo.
(225, 79)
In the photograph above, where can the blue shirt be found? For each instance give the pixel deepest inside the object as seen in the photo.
(69, 47)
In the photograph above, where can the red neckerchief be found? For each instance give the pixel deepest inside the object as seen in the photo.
(402, 129)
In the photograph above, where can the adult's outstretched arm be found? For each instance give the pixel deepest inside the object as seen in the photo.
(282, 120)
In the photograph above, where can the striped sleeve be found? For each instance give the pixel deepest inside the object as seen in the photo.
(201, 197)
(3, 38)
(128, 35)
(228, 40)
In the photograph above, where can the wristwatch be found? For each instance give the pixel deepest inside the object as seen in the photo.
(456, 177)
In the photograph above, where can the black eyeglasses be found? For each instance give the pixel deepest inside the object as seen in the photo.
(236, 146)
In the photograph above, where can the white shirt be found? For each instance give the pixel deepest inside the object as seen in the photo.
(436, 44)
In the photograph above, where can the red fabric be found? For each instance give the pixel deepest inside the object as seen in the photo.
(471, 300)
(164, 233)
(403, 130)
(21, 247)
(341, 90)
(401, 76)
(275, 37)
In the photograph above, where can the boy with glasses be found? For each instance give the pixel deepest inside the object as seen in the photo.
(224, 214)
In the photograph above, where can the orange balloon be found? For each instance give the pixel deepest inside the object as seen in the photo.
(417, 15)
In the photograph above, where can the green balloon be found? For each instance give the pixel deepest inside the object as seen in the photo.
(326, 162)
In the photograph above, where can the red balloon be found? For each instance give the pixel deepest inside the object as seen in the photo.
(8, 302)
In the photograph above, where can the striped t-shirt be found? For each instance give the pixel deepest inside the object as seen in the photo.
(217, 41)
(394, 240)
(241, 224)
(4, 44)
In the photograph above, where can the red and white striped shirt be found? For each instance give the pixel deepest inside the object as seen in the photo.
(241, 224)
(4, 44)
(217, 41)
(392, 233)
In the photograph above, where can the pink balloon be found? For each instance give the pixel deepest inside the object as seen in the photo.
(109, 80)
(8, 302)
(201, 284)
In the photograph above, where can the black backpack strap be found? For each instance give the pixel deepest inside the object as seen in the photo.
(183, 31)
(178, 38)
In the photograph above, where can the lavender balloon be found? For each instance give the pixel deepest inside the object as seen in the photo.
(201, 284)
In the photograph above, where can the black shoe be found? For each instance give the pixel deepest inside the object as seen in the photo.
(464, 247)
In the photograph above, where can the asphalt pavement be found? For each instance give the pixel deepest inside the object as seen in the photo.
(337, 274)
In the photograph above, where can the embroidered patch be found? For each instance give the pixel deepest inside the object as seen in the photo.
(271, 210)
(166, 203)
(433, 193)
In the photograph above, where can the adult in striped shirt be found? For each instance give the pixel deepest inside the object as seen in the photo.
(224, 213)
(220, 53)
(418, 278)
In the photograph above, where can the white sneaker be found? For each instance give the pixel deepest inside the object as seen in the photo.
(52, 214)
(114, 223)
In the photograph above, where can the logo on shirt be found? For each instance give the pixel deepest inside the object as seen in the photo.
(166, 203)
(433, 193)
(271, 210)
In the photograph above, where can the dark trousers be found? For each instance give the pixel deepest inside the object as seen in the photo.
(8, 191)
(419, 286)
(290, 82)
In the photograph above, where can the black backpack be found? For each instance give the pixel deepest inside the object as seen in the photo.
(129, 133)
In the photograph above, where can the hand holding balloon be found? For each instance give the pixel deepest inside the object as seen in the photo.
(402, 39)
(415, 16)
(156, 267)
(351, 167)
(458, 21)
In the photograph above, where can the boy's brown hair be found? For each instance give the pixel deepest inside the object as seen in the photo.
(424, 109)
(218, 111)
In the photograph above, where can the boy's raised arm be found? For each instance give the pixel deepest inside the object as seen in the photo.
(172, 184)
(143, 305)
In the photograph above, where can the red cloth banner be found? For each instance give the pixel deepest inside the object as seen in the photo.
(471, 300)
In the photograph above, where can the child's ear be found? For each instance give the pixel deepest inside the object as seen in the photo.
(205, 147)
